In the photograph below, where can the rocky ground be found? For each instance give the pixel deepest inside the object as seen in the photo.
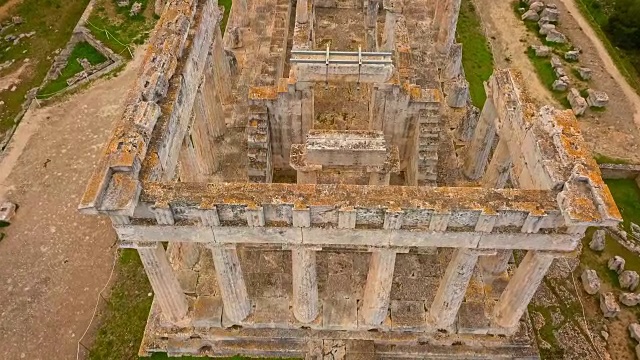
(54, 261)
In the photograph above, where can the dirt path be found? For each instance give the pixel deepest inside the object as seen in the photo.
(4, 9)
(606, 59)
(54, 261)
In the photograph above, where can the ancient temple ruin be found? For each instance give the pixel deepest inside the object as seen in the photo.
(324, 188)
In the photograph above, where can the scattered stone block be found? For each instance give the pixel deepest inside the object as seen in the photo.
(565, 79)
(556, 36)
(577, 102)
(86, 65)
(590, 281)
(545, 28)
(457, 92)
(635, 230)
(556, 62)
(584, 73)
(609, 305)
(135, 9)
(559, 85)
(629, 279)
(572, 55)
(536, 6)
(605, 335)
(634, 331)
(7, 211)
(629, 299)
(638, 351)
(597, 241)
(541, 50)
(17, 20)
(123, 3)
(560, 72)
(616, 264)
(597, 98)
(530, 15)
(552, 6)
(550, 14)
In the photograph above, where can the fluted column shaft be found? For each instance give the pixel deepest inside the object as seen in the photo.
(377, 292)
(235, 299)
(305, 285)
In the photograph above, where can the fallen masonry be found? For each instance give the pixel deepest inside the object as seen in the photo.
(322, 192)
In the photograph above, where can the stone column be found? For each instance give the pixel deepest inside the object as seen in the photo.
(497, 172)
(235, 300)
(240, 12)
(164, 282)
(377, 291)
(371, 16)
(496, 264)
(524, 283)
(208, 106)
(453, 287)
(480, 146)
(302, 11)
(447, 19)
(305, 284)
(221, 70)
(389, 35)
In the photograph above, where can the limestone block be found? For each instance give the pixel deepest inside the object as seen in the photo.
(340, 314)
(545, 28)
(457, 92)
(597, 98)
(556, 62)
(550, 14)
(559, 71)
(556, 37)
(559, 85)
(541, 50)
(597, 241)
(536, 6)
(188, 280)
(207, 312)
(530, 15)
(616, 264)
(572, 55)
(472, 318)
(634, 331)
(7, 211)
(635, 230)
(407, 315)
(629, 279)
(590, 281)
(629, 299)
(609, 305)
(577, 102)
(638, 351)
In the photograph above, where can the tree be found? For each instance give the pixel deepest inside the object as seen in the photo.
(623, 26)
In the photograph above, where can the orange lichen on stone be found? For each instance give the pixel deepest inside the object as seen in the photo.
(263, 93)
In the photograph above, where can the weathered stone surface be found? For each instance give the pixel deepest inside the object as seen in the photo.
(629, 299)
(597, 240)
(572, 55)
(541, 50)
(577, 102)
(536, 6)
(635, 229)
(616, 264)
(555, 61)
(597, 98)
(590, 281)
(530, 15)
(629, 279)
(634, 331)
(555, 36)
(550, 14)
(584, 73)
(7, 211)
(608, 305)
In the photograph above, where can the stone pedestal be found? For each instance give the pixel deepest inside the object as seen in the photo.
(235, 300)
(305, 285)
(164, 283)
(524, 283)
(452, 289)
(378, 288)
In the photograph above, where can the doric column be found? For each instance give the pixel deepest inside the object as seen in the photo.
(302, 11)
(447, 19)
(305, 284)
(522, 285)
(496, 264)
(371, 16)
(221, 70)
(497, 172)
(377, 291)
(453, 287)
(478, 150)
(164, 282)
(235, 300)
(389, 34)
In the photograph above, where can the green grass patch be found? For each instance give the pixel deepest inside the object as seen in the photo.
(53, 21)
(117, 29)
(547, 76)
(82, 50)
(628, 62)
(225, 16)
(627, 196)
(477, 58)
